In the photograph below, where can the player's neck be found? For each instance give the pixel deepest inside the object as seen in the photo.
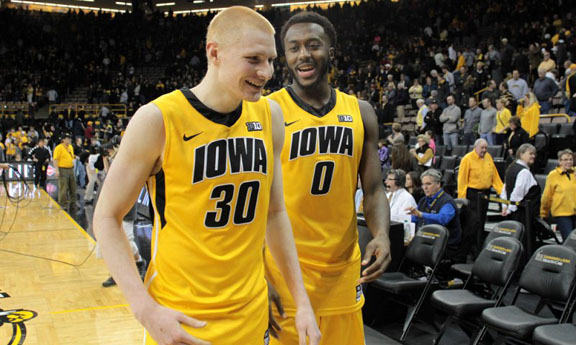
(317, 95)
(212, 96)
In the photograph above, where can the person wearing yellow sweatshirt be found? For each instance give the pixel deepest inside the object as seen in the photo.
(503, 116)
(529, 113)
(476, 175)
(558, 197)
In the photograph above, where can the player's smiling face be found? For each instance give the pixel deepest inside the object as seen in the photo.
(307, 49)
(247, 64)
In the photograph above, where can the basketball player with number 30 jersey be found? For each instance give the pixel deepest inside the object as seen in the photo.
(210, 156)
(331, 137)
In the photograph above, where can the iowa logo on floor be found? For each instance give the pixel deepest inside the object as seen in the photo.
(16, 318)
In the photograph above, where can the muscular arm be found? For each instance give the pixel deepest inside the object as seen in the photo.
(376, 207)
(280, 240)
(135, 162)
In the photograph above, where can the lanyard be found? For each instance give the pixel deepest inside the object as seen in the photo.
(429, 208)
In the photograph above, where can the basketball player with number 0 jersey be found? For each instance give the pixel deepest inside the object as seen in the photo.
(210, 157)
(330, 139)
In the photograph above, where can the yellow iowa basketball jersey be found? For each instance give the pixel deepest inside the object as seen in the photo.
(210, 209)
(320, 162)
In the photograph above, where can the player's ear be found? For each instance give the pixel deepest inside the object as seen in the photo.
(212, 52)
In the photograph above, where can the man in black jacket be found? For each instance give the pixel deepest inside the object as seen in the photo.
(41, 157)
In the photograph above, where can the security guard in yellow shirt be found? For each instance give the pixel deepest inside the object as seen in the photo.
(63, 158)
(476, 175)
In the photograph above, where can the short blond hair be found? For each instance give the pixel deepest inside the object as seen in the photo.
(229, 25)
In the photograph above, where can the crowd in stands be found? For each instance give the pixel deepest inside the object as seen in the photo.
(465, 69)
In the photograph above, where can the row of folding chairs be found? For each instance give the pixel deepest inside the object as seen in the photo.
(550, 274)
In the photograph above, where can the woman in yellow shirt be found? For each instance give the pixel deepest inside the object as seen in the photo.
(529, 113)
(503, 116)
(559, 194)
(423, 153)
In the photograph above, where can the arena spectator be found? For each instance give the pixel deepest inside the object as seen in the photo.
(516, 136)
(529, 112)
(400, 199)
(423, 153)
(414, 185)
(558, 196)
(544, 89)
(521, 186)
(450, 118)
(517, 86)
(487, 121)
(503, 116)
(471, 121)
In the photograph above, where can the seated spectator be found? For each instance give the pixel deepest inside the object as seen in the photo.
(399, 198)
(423, 153)
(529, 113)
(516, 136)
(383, 154)
(520, 185)
(437, 207)
(559, 194)
(414, 185)
(396, 134)
(401, 158)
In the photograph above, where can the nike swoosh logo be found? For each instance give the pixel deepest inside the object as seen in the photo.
(191, 137)
(286, 124)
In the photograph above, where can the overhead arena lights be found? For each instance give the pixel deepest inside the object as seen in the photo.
(66, 6)
(198, 1)
(163, 4)
(284, 4)
(123, 3)
(204, 10)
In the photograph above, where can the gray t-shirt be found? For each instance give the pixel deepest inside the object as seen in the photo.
(487, 120)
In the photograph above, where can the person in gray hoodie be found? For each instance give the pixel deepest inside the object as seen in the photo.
(451, 119)
(487, 121)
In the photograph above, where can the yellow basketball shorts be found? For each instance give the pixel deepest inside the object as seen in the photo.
(342, 329)
(247, 326)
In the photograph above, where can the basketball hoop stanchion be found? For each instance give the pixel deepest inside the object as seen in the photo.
(529, 240)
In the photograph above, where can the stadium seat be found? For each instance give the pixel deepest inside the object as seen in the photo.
(549, 128)
(496, 151)
(437, 162)
(425, 250)
(507, 228)
(459, 150)
(448, 163)
(541, 179)
(564, 334)
(550, 165)
(495, 265)
(570, 242)
(412, 141)
(550, 274)
(440, 150)
(566, 130)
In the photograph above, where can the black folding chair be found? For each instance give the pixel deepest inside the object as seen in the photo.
(550, 274)
(564, 334)
(507, 228)
(495, 265)
(425, 250)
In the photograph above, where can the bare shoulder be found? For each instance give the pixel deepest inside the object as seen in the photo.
(145, 135)
(367, 112)
(277, 125)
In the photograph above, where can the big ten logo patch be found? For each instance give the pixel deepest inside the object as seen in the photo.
(345, 118)
(17, 318)
(358, 292)
(253, 126)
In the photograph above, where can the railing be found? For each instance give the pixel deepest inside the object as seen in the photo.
(549, 118)
(478, 93)
(91, 109)
(7, 108)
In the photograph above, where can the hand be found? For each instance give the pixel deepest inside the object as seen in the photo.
(511, 152)
(56, 173)
(307, 326)
(413, 211)
(380, 248)
(164, 327)
(4, 166)
(504, 211)
(274, 299)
